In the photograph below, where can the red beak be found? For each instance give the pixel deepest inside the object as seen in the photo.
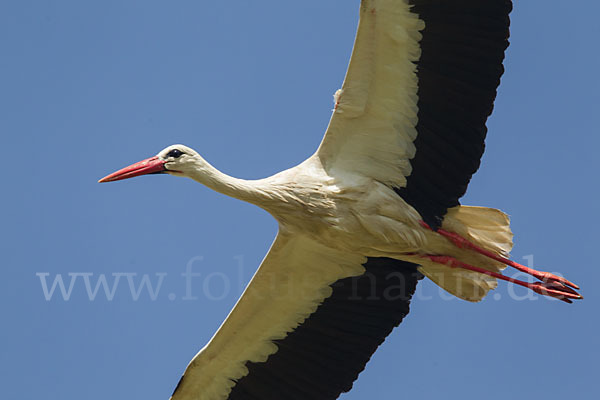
(150, 165)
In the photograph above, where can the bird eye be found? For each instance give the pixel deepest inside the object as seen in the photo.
(175, 153)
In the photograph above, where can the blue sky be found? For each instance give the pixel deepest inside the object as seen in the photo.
(88, 87)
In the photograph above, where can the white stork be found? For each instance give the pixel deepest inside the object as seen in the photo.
(374, 209)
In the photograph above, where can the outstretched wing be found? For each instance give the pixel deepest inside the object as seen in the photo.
(305, 326)
(419, 88)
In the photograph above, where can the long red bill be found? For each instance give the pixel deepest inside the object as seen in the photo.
(150, 165)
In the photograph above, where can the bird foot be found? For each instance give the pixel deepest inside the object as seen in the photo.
(551, 289)
(556, 290)
(551, 285)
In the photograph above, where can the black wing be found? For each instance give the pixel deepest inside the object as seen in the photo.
(323, 356)
(419, 88)
(458, 72)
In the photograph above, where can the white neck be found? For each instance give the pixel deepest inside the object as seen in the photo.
(252, 191)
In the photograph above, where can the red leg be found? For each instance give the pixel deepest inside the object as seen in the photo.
(551, 289)
(463, 243)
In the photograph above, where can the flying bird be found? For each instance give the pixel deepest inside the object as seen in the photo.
(371, 212)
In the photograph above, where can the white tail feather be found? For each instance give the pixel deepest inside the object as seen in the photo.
(486, 227)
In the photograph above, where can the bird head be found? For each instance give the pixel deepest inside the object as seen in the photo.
(178, 160)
